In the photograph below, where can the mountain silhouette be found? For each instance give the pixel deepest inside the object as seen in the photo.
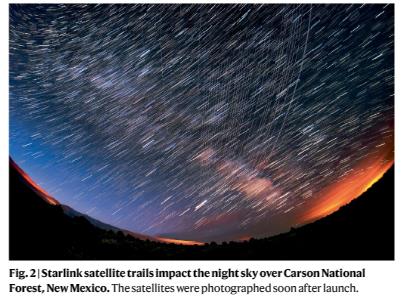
(43, 229)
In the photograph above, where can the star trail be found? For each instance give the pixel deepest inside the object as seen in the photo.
(202, 122)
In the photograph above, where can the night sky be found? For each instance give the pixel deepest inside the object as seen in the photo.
(202, 122)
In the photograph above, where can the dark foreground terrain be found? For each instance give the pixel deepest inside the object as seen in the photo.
(361, 230)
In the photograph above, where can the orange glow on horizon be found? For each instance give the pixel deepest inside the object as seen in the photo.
(39, 190)
(343, 192)
(179, 242)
